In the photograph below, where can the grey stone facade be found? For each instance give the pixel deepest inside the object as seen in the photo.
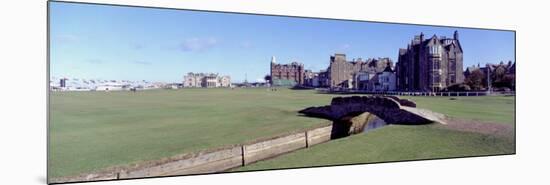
(343, 74)
(430, 64)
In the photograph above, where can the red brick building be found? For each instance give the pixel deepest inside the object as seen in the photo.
(287, 74)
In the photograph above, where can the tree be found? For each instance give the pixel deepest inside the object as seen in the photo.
(458, 87)
(267, 78)
(508, 81)
(476, 80)
(497, 75)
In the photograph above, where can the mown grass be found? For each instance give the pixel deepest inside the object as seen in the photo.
(499, 109)
(94, 130)
(392, 143)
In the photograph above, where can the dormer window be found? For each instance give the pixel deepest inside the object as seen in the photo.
(434, 49)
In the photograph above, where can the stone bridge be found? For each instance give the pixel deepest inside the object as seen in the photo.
(391, 109)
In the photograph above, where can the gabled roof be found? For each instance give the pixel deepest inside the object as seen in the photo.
(512, 69)
(457, 44)
(388, 68)
(432, 40)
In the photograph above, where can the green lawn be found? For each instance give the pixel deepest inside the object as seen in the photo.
(498, 109)
(94, 130)
(392, 143)
(399, 142)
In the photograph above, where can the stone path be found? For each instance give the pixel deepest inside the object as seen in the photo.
(427, 114)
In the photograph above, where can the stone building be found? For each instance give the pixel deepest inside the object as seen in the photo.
(206, 80)
(224, 81)
(323, 78)
(287, 74)
(375, 81)
(387, 80)
(342, 73)
(430, 64)
(311, 79)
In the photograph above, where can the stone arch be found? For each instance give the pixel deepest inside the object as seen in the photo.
(391, 109)
(353, 124)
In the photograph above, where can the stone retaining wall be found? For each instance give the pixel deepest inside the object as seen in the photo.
(271, 148)
(318, 135)
(202, 163)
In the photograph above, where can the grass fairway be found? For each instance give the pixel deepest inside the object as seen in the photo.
(95, 130)
(500, 109)
(392, 143)
(399, 142)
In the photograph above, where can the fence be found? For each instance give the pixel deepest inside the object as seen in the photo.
(404, 93)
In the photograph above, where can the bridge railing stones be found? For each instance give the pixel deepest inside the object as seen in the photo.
(403, 102)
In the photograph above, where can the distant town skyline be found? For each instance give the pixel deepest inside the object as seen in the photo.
(131, 43)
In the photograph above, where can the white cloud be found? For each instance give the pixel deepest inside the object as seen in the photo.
(246, 44)
(198, 44)
(345, 46)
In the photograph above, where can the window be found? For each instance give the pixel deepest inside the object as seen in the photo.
(452, 77)
(434, 50)
(435, 64)
(436, 78)
(452, 65)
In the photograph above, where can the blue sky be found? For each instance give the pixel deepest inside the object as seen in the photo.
(129, 43)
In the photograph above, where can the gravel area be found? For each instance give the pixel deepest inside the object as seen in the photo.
(491, 128)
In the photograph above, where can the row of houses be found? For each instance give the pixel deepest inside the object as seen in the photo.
(369, 75)
(206, 80)
(80, 84)
(425, 65)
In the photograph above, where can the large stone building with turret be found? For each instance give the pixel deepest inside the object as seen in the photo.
(430, 64)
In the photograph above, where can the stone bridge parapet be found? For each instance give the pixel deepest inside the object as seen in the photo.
(391, 109)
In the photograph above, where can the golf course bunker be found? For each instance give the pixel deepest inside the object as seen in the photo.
(356, 114)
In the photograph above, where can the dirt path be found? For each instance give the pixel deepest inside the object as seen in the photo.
(483, 127)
